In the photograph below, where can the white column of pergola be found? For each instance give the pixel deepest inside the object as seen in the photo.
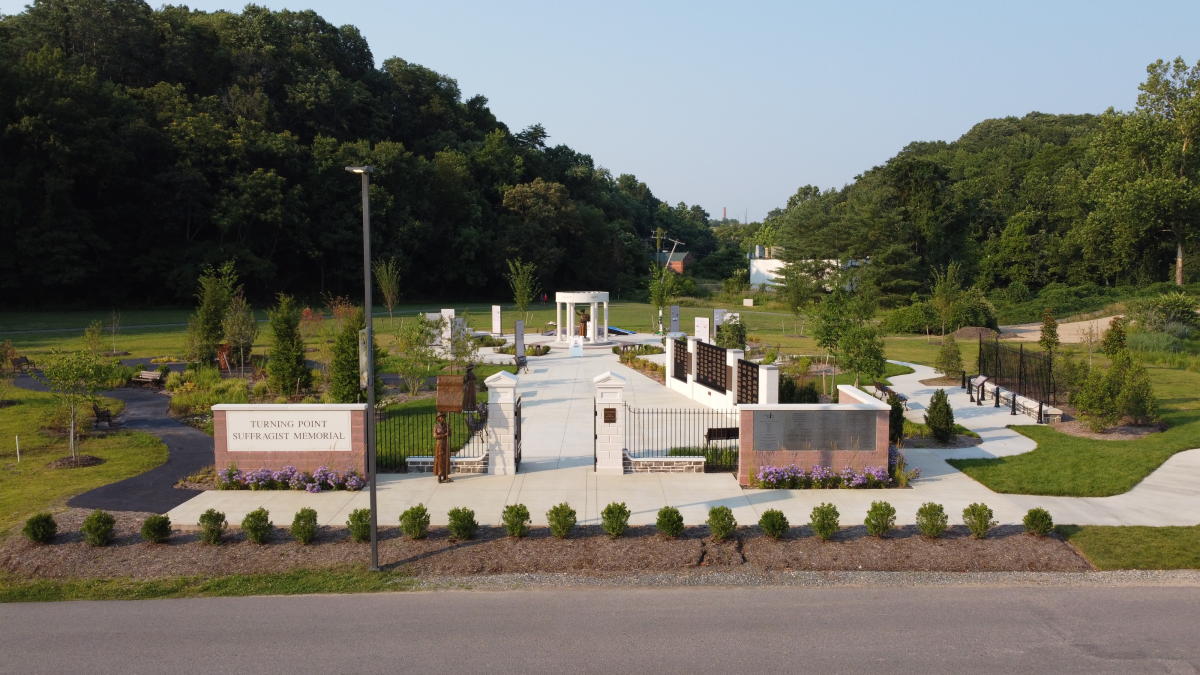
(567, 300)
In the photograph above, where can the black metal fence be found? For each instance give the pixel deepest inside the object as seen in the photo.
(1029, 373)
(403, 433)
(684, 432)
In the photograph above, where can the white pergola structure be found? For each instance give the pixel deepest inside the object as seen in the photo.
(564, 331)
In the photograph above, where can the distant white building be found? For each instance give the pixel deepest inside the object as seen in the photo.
(767, 269)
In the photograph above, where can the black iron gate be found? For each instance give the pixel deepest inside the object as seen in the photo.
(401, 433)
(684, 432)
(747, 381)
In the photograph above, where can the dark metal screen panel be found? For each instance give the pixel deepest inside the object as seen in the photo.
(710, 367)
(747, 381)
(679, 369)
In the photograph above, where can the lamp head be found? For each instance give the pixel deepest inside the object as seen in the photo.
(360, 169)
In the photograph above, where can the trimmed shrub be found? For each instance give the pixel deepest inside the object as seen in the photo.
(881, 518)
(257, 525)
(359, 524)
(774, 524)
(721, 522)
(40, 528)
(304, 525)
(561, 519)
(156, 529)
(895, 420)
(462, 523)
(978, 519)
(932, 520)
(414, 522)
(824, 521)
(949, 358)
(669, 522)
(940, 417)
(212, 526)
(98, 528)
(1038, 522)
(516, 520)
(615, 519)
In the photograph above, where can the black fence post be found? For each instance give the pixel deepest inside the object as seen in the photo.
(1039, 421)
(970, 391)
(964, 378)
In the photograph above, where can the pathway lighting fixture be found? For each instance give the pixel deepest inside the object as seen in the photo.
(365, 173)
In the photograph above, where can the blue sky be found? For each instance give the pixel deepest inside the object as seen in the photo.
(735, 105)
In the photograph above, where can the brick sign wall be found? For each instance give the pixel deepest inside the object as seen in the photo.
(306, 436)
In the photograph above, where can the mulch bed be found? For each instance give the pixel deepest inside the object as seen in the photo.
(77, 462)
(942, 381)
(586, 551)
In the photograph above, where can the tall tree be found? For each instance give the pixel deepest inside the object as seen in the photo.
(287, 371)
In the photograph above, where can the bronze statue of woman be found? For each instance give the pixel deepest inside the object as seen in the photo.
(441, 449)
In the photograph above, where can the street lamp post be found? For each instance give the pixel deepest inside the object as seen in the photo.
(365, 173)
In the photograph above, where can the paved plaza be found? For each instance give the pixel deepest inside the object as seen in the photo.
(556, 467)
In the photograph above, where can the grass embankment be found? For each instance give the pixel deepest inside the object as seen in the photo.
(347, 580)
(1137, 548)
(31, 486)
(1083, 467)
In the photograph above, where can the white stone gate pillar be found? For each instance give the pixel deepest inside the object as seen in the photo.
(768, 384)
(610, 423)
(502, 423)
(731, 362)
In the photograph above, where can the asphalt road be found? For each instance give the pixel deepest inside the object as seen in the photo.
(927, 630)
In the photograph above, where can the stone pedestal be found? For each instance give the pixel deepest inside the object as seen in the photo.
(610, 423)
(768, 384)
(502, 423)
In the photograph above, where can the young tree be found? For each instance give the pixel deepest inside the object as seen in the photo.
(114, 327)
(662, 289)
(287, 371)
(344, 378)
(1113, 341)
(947, 287)
(75, 378)
(940, 417)
(416, 362)
(522, 279)
(895, 420)
(1049, 339)
(861, 351)
(387, 278)
(731, 335)
(93, 337)
(240, 328)
(949, 358)
(215, 289)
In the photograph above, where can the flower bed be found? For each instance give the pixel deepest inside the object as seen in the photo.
(289, 478)
(793, 477)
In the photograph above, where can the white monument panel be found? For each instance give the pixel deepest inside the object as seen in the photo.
(702, 329)
(287, 430)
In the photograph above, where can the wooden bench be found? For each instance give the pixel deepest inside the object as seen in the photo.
(721, 434)
(102, 415)
(151, 377)
(20, 363)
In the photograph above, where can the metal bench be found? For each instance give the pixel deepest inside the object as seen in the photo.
(721, 434)
(20, 364)
(102, 415)
(151, 377)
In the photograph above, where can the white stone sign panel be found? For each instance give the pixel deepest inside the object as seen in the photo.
(287, 430)
(674, 318)
(702, 329)
(497, 329)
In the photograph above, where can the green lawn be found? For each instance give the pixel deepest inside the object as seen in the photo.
(1080, 467)
(1139, 548)
(30, 486)
(343, 580)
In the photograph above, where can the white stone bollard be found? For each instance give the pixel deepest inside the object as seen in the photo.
(502, 423)
(610, 423)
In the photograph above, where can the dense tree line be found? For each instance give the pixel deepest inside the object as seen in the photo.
(139, 145)
(1022, 203)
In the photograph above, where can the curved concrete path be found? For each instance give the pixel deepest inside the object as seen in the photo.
(188, 450)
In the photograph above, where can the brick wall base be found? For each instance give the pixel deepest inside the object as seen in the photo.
(424, 464)
(665, 465)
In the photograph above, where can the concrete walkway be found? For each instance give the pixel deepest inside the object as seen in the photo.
(557, 462)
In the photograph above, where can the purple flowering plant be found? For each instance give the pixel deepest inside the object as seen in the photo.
(792, 477)
(289, 478)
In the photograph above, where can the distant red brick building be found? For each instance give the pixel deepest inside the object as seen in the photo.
(678, 261)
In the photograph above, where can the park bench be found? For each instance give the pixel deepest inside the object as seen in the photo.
(151, 377)
(721, 434)
(882, 392)
(102, 415)
(20, 364)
